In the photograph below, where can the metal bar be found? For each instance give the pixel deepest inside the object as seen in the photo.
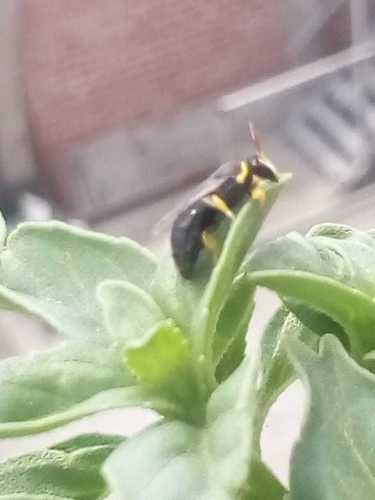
(297, 76)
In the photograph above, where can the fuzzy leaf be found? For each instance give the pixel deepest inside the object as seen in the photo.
(277, 371)
(70, 470)
(177, 461)
(177, 297)
(336, 260)
(162, 364)
(335, 455)
(88, 441)
(48, 389)
(264, 484)
(230, 339)
(52, 270)
(128, 310)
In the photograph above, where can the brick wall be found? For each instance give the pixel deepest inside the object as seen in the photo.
(91, 66)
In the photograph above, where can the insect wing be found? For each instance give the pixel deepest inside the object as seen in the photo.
(224, 171)
(212, 182)
(207, 186)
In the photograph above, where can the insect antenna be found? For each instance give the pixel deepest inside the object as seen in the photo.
(255, 139)
(265, 168)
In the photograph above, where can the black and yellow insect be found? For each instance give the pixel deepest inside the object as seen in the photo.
(191, 228)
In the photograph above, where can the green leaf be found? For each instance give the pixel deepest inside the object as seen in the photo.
(3, 230)
(129, 311)
(230, 338)
(52, 270)
(318, 322)
(162, 363)
(334, 457)
(264, 484)
(48, 389)
(177, 461)
(32, 497)
(70, 470)
(89, 440)
(277, 371)
(331, 271)
(177, 297)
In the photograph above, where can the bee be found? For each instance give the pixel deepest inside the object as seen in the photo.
(191, 229)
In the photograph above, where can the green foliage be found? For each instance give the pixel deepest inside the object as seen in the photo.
(128, 311)
(140, 335)
(230, 340)
(163, 365)
(276, 370)
(263, 482)
(337, 259)
(67, 471)
(177, 460)
(335, 455)
(35, 254)
(48, 389)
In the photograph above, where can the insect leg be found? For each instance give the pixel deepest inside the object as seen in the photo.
(217, 202)
(211, 244)
(258, 193)
(244, 173)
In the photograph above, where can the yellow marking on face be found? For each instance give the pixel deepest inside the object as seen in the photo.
(243, 175)
(220, 205)
(259, 194)
(211, 244)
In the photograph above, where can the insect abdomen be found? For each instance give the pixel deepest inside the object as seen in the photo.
(186, 235)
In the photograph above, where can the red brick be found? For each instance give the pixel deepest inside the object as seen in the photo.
(91, 66)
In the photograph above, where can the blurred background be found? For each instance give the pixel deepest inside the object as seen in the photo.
(110, 112)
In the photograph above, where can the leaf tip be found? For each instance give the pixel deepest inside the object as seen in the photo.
(285, 177)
